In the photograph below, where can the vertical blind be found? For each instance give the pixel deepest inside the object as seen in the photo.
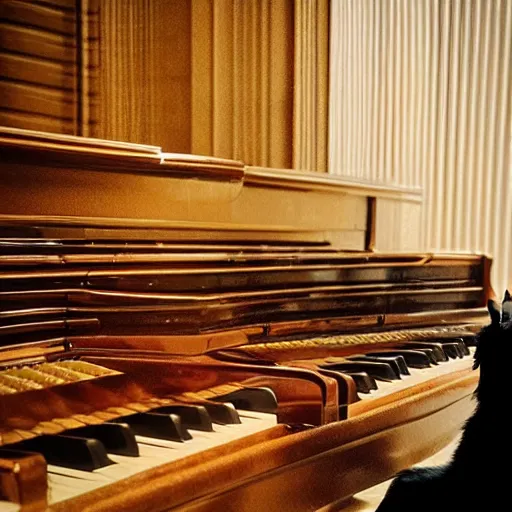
(420, 96)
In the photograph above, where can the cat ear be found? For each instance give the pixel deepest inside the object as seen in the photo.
(506, 308)
(494, 311)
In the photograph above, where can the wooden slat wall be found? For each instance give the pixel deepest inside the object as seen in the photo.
(242, 80)
(144, 72)
(88, 38)
(41, 65)
(38, 87)
(311, 85)
(420, 96)
(230, 78)
(126, 73)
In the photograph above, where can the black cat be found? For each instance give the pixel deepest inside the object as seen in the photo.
(478, 476)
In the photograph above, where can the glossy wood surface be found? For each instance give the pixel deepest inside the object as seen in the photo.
(195, 277)
(306, 470)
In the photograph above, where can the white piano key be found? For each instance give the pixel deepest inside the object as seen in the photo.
(9, 506)
(61, 487)
(76, 473)
(270, 419)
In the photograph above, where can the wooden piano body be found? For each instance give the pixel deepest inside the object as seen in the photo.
(190, 281)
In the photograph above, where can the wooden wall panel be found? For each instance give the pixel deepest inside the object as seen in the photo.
(48, 65)
(126, 71)
(38, 65)
(242, 80)
(311, 85)
(172, 87)
(145, 72)
(88, 40)
(281, 86)
(202, 77)
(260, 81)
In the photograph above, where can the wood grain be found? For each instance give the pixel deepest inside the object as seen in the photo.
(311, 77)
(242, 80)
(38, 66)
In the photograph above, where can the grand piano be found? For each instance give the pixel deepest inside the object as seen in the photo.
(188, 333)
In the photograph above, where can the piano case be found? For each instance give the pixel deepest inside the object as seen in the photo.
(165, 349)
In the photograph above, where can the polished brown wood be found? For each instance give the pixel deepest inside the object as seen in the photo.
(186, 278)
(23, 479)
(303, 471)
(72, 188)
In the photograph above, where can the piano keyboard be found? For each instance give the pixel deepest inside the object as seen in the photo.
(385, 373)
(85, 459)
(65, 483)
(417, 376)
(388, 363)
(388, 371)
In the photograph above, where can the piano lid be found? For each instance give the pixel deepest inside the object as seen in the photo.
(114, 289)
(72, 187)
(113, 239)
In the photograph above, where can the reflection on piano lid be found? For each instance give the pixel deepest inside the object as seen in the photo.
(155, 362)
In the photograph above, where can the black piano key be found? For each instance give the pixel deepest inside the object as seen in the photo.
(446, 347)
(378, 370)
(465, 340)
(222, 413)
(437, 348)
(452, 350)
(468, 340)
(251, 399)
(195, 417)
(464, 350)
(364, 382)
(465, 347)
(159, 426)
(429, 353)
(399, 360)
(391, 361)
(413, 358)
(69, 451)
(117, 438)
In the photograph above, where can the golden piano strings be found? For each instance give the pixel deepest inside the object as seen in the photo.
(43, 375)
(191, 352)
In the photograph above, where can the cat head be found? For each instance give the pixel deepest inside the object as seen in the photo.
(494, 347)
